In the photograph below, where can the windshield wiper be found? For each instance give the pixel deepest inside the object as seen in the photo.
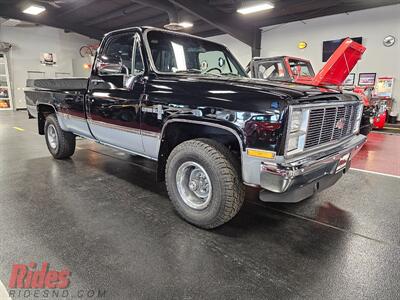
(190, 71)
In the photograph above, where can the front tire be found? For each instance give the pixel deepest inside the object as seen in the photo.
(203, 183)
(60, 143)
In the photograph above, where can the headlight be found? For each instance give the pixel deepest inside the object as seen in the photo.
(358, 119)
(295, 121)
(298, 123)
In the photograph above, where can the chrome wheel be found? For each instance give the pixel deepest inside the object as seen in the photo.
(194, 185)
(52, 136)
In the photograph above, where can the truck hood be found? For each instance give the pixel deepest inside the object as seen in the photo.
(283, 90)
(340, 64)
(243, 94)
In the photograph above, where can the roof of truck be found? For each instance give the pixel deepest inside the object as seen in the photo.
(281, 57)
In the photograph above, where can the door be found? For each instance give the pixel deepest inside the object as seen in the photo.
(115, 89)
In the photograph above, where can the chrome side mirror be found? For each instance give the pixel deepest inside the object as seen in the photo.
(111, 66)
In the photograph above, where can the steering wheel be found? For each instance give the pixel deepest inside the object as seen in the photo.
(214, 69)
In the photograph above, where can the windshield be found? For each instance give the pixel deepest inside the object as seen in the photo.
(270, 70)
(301, 68)
(175, 53)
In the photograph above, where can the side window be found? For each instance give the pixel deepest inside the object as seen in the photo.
(301, 68)
(271, 71)
(117, 57)
(138, 64)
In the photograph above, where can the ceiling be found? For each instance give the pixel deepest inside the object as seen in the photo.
(93, 18)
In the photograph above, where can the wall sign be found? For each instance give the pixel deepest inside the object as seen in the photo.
(302, 45)
(389, 41)
(48, 59)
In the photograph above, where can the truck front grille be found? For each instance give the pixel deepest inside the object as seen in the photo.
(330, 124)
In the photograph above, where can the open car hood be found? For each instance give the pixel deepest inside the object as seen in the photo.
(340, 64)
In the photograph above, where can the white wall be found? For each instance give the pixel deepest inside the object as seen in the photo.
(241, 51)
(28, 45)
(372, 24)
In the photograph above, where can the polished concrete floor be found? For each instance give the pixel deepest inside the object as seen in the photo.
(102, 215)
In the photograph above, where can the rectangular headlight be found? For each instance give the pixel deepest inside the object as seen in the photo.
(298, 123)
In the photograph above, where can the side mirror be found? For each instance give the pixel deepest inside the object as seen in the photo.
(111, 66)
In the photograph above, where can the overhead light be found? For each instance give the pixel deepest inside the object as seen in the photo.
(186, 24)
(254, 8)
(178, 26)
(34, 10)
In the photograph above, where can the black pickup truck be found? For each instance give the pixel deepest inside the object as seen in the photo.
(188, 104)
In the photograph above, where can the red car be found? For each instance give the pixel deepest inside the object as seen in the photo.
(298, 70)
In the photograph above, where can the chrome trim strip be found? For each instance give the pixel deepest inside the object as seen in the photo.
(123, 128)
(114, 126)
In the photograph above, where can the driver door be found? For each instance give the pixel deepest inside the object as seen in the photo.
(115, 89)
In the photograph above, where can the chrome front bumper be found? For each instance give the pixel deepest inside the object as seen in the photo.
(299, 178)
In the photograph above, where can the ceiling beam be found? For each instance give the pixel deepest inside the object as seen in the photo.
(61, 23)
(82, 4)
(152, 21)
(231, 24)
(115, 14)
(163, 6)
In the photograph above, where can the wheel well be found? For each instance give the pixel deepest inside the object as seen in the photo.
(178, 132)
(43, 111)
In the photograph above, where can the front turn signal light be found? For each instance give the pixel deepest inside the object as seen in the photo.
(261, 153)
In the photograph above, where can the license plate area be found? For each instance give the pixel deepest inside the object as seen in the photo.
(342, 162)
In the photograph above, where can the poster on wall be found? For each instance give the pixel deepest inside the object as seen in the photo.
(48, 59)
(350, 79)
(366, 79)
(384, 87)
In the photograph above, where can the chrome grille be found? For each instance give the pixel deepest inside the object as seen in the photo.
(330, 124)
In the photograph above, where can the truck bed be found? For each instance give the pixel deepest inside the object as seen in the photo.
(60, 93)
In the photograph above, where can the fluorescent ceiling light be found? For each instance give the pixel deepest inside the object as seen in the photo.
(186, 24)
(34, 10)
(255, 8)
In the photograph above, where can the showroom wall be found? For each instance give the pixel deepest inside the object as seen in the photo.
(241, 51)
(372, 24)
(28, 45)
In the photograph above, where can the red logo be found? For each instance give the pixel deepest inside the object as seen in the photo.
(29, 277)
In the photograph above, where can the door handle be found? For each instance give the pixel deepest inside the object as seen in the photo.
(97, 81)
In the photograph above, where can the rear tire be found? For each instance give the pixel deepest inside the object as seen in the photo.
(60, 143)
(203, 183)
